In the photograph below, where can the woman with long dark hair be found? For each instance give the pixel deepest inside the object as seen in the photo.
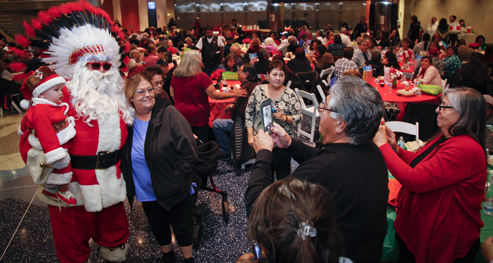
(443, 30)
(294, 221)
(415, 30)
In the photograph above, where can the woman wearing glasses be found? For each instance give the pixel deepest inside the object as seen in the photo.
(157, 160)
(157, 80)
(439, 205)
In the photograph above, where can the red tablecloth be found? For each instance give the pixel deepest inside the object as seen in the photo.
(409, 70)
(218, 107)
(402, 101)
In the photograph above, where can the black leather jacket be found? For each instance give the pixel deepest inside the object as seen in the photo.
(170, 151)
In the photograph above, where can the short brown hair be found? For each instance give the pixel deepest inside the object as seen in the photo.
(277, 64)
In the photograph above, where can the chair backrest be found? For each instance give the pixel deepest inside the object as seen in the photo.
(409, 75)
(308, 97)
(404, 127)
(327, 72)
(444, 84)
(322, 93)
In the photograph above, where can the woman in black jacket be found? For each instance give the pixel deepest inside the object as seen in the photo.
(157, 160)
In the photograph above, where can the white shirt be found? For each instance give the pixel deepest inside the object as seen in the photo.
(219, 42)
(283, 47)
(346, 40)
(432, 28)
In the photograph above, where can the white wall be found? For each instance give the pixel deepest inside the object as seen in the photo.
(477, 13)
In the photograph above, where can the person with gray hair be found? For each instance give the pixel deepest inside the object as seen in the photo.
(350, 166)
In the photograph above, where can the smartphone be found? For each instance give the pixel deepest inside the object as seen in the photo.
(267, 120)
(257, 252)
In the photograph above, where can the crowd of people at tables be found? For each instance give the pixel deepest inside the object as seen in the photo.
(285, 221)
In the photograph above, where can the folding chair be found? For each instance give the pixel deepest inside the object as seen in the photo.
(310, 110)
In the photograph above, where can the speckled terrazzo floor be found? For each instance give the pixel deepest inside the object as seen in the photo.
(26, 232)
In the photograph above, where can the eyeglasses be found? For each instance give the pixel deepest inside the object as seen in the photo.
(98, 65)
(321, 109)
(145, 91)
(440, 107)
(155, 83)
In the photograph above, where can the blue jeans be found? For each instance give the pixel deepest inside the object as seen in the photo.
(221, 128)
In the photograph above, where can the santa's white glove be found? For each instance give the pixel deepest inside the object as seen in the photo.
(62, 163)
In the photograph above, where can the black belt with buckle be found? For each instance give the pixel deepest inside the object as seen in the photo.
(101, 161)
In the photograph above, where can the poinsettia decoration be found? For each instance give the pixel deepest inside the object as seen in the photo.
(246, 41)
(394, 74)
(474, 45)
(173, 50)
(217, 74)
(406, 55)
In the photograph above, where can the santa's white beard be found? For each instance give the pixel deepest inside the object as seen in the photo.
(96, 94)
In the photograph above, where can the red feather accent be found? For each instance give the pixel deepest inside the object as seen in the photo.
(22, 40)
(18, 52)
(126, 60)
(20, 77)
(55, 12)
(72, 7)
(88, 7)
(29, 30)
(17, 67)
(36, 24)
(127, 47)
(44, 18)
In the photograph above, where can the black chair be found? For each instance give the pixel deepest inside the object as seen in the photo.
(425, 114)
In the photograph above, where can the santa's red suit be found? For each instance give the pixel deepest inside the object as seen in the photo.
(38, 131)
(99, 213)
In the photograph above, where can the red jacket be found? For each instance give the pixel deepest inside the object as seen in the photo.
(440, 203)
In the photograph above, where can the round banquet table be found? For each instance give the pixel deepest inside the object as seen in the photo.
(402, 101)
(218, 107)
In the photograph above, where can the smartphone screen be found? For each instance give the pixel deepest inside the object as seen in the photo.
(267, 120)
(257, 252)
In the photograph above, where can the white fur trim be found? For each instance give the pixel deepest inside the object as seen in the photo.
(39, 174)
(116, 254)
(91, 197)
(110, 140)
(36, 101)
(58, 179)
(63, 136)
(24, 104)
(47, 85)
(62, 163)
(19, 131)
(55, 155)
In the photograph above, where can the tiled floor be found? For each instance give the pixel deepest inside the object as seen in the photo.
(25, 226)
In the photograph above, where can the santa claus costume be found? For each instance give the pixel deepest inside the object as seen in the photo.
(46, 128)
(80, 45)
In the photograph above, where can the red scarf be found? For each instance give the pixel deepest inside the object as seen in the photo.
(422, 73)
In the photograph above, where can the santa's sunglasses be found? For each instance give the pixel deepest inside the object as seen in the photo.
(98, 65)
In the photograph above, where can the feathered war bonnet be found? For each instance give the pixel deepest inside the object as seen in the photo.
(71, 33)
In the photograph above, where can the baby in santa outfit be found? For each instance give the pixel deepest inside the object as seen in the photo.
(46, 128)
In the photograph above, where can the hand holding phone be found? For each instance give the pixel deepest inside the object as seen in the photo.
(267, 120)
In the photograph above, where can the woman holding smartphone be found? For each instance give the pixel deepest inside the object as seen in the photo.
(287, 112)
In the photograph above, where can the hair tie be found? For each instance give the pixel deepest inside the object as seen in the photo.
(306, 230)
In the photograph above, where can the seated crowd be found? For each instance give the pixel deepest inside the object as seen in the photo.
(332, 208)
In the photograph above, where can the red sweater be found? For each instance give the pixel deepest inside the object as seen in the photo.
(439, 205)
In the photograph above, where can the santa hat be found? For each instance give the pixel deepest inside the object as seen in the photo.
(38, 82)
(73, 33)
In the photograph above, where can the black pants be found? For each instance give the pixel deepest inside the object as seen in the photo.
(405, 256)
(453, 39)
(179, 217)
(281, 163)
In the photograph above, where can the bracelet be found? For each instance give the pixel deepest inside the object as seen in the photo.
(286, 120)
